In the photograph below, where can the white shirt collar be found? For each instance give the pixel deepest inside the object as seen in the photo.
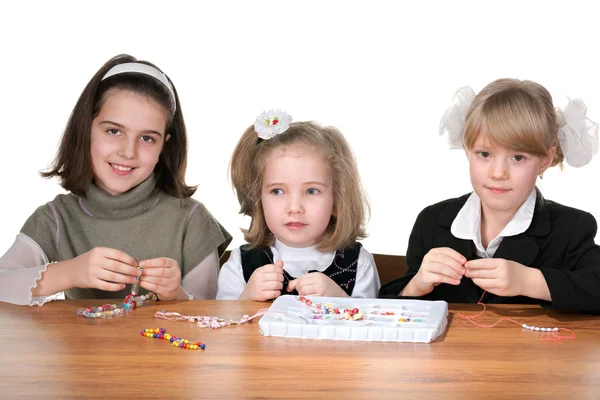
(467, 224)
(299, 260)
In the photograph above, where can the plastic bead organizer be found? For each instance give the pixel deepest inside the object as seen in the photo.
(383, 320)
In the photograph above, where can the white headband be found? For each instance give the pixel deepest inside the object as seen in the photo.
(142, 69)
(578, 135)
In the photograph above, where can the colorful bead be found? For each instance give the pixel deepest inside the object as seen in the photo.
(161, 333)
(130, 302)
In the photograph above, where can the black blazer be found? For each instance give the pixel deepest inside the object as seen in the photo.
(559, 242)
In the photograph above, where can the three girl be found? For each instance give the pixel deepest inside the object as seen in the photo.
(123, 158)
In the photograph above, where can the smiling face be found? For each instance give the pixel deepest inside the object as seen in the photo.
(127, 137)
(297, 195)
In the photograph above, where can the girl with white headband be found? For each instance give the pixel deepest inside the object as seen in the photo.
(505, 241)
(122, 158)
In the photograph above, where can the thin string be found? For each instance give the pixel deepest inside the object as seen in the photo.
(204, 321)
(553, 336)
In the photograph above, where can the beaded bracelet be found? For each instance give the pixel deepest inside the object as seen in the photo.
(131, 301)
(161, 333)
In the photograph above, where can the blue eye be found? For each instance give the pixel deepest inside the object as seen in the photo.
(148, 139)
(313, 191)
(277, 192)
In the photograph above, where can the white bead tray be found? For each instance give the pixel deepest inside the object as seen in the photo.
(387, 320)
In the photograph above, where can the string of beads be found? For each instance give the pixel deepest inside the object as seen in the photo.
(161, 333)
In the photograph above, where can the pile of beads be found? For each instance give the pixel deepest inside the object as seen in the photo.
(161, 333)
(403, 319)
(206, 321)
(348, 314)
(116, 310)
(353, 315)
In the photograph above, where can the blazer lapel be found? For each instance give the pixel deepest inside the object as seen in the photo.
(521, 248)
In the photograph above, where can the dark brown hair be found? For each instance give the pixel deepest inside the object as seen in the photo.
(73, 165)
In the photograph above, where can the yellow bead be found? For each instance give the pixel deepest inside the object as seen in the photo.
(186, 341)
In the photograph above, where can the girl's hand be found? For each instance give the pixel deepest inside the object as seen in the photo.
(161, 276)
(440, 265)
(265, 283)
(105, 269)
(498, 276)
(316, 284)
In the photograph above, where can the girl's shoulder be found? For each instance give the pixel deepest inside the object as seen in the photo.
(561, 214)
(56, 206)
(188, 206)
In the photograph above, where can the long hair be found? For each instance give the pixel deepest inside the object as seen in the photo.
(72, 164)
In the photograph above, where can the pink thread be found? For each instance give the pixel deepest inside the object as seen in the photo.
(553, 336)
(207, 321)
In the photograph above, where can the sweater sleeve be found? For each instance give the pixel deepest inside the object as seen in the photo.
(20, 269)
(231, 278)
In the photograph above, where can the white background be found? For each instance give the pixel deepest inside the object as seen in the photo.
(382, 71)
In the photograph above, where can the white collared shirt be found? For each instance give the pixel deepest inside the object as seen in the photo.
(467, 224)
(297, 262)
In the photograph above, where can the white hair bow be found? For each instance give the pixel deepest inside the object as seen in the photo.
(579, 135)
(453, 121)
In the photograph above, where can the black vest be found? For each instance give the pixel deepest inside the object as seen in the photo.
(342, 270)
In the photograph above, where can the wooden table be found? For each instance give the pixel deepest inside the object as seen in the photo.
(51, 352)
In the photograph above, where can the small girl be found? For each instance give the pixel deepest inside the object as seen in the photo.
(505, 241)
(122, 157)
(299, 184)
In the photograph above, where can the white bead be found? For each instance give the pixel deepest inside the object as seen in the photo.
(545, 329)
(531, 328)
(537, 328)
(524, 326)
(555, 329)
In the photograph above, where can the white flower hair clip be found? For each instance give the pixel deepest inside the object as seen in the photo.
(579, 135)
(453, 121)
(271, 123)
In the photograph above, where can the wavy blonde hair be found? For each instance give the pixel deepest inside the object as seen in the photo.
(517, 115)
(350, 205)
